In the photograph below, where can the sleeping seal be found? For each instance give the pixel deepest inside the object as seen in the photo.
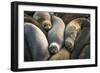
(32, 20)
(85, 52)
(44, 19)
(72, 29)
(63, 54)
(82, 40)
(56, 35)
(36, 42)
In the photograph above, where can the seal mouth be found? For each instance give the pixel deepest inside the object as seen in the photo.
(69, 43)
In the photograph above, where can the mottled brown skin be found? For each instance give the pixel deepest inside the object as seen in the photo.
(29, 19)
(63, 54)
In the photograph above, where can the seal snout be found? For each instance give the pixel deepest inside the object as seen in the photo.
(69, 43)
(46, 25)
(53, 48)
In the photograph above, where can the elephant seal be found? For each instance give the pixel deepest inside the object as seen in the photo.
(82, 40)
(27, 54)
(29, 13)
(29, 19)
(72, 29)
(67, 17)
(44, 19)
(85, 52)
(56, 35)
(63, 54)
(36, 42)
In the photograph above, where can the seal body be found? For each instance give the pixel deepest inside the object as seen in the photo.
(29, 19)
(82, 40)
(85, 52)
(67, 17)
(44, 19)
(56, 34)
(72, 29)
(36, 42)
(63, 54)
